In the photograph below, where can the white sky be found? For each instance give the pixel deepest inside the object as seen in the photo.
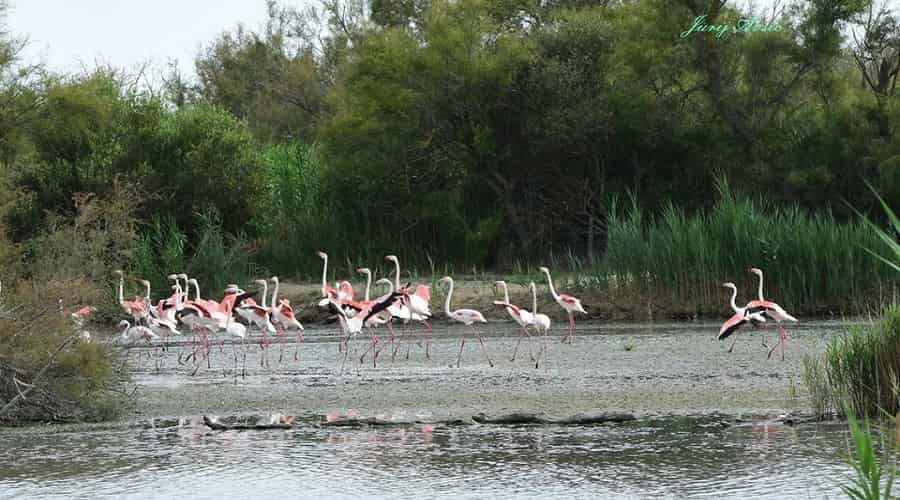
(71, 34)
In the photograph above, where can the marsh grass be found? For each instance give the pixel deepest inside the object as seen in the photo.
(860, 369)
(874, 475)
(812, 260)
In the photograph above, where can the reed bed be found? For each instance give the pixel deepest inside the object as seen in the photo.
(813, 262)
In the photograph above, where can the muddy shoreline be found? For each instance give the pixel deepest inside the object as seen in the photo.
(670, 370)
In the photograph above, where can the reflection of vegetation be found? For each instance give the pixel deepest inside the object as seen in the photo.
(873, 480)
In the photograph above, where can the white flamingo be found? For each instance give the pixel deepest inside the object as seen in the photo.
(771, 310)
(541, 323)
(742, 315)
(466, 317)
(567, 302)
(519, 315)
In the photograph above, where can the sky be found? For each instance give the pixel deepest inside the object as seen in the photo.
(71, 34)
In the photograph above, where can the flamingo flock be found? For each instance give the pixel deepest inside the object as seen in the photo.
(210, 322)
(237, 313)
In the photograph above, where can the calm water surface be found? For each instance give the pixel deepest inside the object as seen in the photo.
(672, 458)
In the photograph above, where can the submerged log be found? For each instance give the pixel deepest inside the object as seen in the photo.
(539, 418)
(283, 422)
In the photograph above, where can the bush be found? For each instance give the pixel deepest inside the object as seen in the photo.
(47, 373)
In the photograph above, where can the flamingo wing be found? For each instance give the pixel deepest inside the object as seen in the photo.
(568, 299)
(731, 325)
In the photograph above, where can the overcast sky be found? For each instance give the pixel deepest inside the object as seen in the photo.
(71, 34)
(127, 33)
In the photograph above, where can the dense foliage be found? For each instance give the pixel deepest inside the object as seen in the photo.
(476, 134)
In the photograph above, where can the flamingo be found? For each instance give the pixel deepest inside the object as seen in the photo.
(283, 313)
(742, 315)
(414, 306)
(466, 317)
(378, 311)
(327, 291)
(78, 318)
(352, 326)
(520, 316)
(236, 330)
(135, 333)
(132, 334)
(567, 302)
(541, 322)
(136, 308)
(773, 311)
(368, 272)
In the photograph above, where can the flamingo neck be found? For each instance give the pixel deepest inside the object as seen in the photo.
(196, 291)
(733, 297)
(275, 294)
(550, 284)
(505, 292)
(121, 288)
(397, 275)
(447, 300)
(761, 286)
(533, 299)
(368, 284)
(147, 296)
(265, 292)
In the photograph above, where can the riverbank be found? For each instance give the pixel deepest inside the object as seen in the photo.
(640, 369)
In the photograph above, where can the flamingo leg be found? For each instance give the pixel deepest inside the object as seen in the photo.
(427, 339)
(732, 343)
(516, 350)
(462, 344)
(568, 338)
(483, 349)
(281, 336)
(781, 341)
(299, 341)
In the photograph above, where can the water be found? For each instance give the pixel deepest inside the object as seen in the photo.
(684, 457)
(674, 369)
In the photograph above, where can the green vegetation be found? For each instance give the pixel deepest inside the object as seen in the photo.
(861, 368)
(815, 262)
(629, 346)
(475, 135)
(873, 480)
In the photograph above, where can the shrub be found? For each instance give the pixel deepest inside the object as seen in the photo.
(47, 372)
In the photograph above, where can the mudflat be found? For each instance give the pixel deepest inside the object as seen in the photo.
(643, 369)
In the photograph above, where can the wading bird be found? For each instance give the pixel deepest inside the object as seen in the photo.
(520, 316)
(136, 308)
(283, 314)
(466, 317)
(541, 323)
(567, 302)
(773, 311)
(742, 315)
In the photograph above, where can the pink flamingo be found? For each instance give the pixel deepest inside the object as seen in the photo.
(466, 317)
(742, 315)
(414, 306)
(773, 311)
(283, 313)
(567, 302)
(520, 316)
(136, 308)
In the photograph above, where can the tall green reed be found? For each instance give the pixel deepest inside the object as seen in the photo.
(811, 260)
